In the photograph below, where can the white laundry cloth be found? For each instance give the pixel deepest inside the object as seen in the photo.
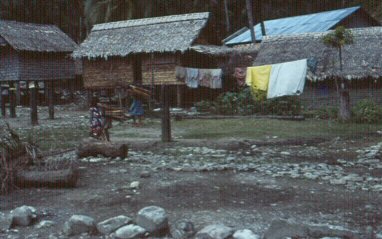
(287, 78)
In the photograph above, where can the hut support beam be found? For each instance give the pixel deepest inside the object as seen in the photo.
(50, 87)
(3, 108)
(33, 102)
(12, 100)
(166, 121)
(18, 93)
(179, 96)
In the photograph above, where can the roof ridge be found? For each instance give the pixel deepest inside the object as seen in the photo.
(150, 21)
(28, 23)
(356, 31)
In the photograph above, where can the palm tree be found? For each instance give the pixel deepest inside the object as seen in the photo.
(338, 39)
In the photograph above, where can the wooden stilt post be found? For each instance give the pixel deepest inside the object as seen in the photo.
(12, 100)
(50, 88)
(33, 102)
(90, 96)
(18, 93)
(166, 121)
(3, 109)
(179, 96)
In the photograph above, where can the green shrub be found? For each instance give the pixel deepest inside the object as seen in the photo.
(327, 113)
(243, 103)
(367, 111)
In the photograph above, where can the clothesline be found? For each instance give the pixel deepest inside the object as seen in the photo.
(275, 80)
(195, 77)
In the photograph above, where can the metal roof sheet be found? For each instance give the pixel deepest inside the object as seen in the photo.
(316, 22)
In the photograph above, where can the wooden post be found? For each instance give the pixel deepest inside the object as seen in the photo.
(179, 96)
(33, 102)
(18, 93)
(12, 100)
(166, 120)
(50, 87)
(3, 109)
(90, 96)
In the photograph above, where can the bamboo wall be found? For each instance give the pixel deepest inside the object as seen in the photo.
(159, 70)
(100, 74)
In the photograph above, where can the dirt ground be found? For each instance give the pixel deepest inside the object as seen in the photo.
(247, 198)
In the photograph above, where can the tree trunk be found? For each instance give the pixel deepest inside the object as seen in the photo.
(250, 19)
(227, 22)
(33, 103)
(166, 120)
(57, 178)
(94, 148)
(344, 111)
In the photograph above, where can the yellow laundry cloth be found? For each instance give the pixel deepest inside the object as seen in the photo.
(258, 77)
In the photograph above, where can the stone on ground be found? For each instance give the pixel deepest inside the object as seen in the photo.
(154, 220)
(23, 216)
(45, 224)
(130, 232)
(5, 222)
(217, 231)
(79, 224)
(112, 224)
(182, 230)
(245, 234)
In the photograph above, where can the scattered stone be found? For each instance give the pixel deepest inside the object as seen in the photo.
(130, 232)
(216, 231)
(245, 234)
(45, 224)
(23, 216)
(79, 224)
(145, 174)
(182, 230)
(154, 220)
(134, 185)
(110, 225)
(5, 222)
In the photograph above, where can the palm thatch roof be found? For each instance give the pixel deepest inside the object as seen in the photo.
(34, 37)
(223, 50)
(159, 34)
(361, 59)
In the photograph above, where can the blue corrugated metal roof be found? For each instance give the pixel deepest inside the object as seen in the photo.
(316, 22)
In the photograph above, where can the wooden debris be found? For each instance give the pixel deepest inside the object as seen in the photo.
(57, 178)
(94, 148)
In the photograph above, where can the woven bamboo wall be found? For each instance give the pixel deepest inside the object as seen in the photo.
(107, 73)
(161, 68)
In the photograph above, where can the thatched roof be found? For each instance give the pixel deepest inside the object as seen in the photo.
(361, 59)
(224, 50)
(35, 37)
(159, 34)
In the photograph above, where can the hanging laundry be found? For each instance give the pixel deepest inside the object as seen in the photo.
(205, 78)
(216, 80)
(180, 73)
(211, 78)
(287, 78)
(258, 77)
(239, 74)
(192, 77)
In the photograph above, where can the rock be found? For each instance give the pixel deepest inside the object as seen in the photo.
(23, 216)
(280, 229)
(245, 234)
(182, 230)
(5, 222)
(130, 232)
(110, 225)
(153, 219)
(216, 231)
(45, 224)
(79, 224)
(145, 174)
(134, 185)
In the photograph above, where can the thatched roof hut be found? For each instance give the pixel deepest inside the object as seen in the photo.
(34, 52)
(144, 51)
(361, 59)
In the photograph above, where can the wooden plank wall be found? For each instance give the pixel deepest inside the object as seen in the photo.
(163, 68)
(46, 67)
(98, 74)
(9, 65)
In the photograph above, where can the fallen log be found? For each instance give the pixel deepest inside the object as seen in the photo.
(57, 178)
(107, 149)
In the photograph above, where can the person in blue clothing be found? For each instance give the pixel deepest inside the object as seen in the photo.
(136, 110)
